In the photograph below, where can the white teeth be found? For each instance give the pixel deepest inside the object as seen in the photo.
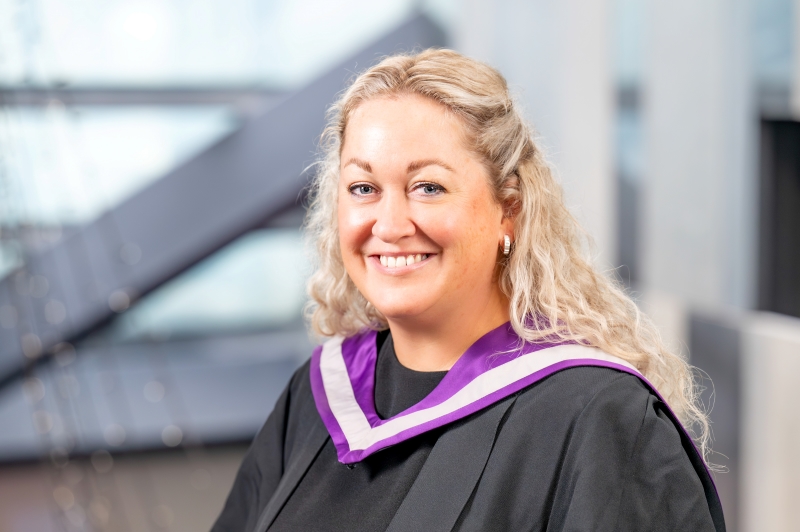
(396, 262)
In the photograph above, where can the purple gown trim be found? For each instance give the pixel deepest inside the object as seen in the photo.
(477, 380)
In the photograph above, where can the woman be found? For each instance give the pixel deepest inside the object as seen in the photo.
(480, 375)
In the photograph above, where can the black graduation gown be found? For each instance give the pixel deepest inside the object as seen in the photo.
(587, 448)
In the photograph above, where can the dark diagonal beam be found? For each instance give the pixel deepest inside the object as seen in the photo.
(124, 96)
(237, 184)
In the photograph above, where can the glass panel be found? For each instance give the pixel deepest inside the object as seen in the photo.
(629, 138)
(255, 283)
(773, 41)
(628, 40)
(281, 43)
(10, 256)
(66, 165)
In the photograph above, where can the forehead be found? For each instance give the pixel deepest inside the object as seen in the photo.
(407, 123)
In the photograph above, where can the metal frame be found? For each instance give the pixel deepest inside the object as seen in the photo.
(124, 96)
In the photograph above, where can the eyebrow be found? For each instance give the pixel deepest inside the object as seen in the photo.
(364, 165)
(412, 167)
(418, 165)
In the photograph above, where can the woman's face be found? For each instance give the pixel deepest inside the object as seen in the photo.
(419, 228)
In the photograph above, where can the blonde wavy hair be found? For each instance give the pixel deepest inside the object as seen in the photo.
(546, 275)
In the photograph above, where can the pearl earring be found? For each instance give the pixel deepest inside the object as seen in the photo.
(506, 245)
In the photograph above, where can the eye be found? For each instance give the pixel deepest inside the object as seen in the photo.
(362, 189)
(429, 189)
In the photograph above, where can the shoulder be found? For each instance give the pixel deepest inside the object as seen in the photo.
(577, 389)
(300, 407)
(610, 420)
(290, 413)
(599, 409)
(594, 445)
(300, 383)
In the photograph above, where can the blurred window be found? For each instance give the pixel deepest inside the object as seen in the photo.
(66, 165)
(60, 167)
(256, 283)
(281, 43)
(773, 42)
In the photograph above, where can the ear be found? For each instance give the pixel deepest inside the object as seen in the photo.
(510, 209)
(506, 228)
(510, 206)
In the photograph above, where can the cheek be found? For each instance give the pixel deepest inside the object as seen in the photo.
(468, 240)
(470, 230)
(472, 239)
(354, 228)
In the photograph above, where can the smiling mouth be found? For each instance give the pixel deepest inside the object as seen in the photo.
(399, 262)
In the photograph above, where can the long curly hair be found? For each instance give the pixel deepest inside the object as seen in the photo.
(546, 276)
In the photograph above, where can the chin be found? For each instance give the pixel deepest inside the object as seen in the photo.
(398, 310)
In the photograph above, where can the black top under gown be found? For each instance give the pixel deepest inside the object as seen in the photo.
(587, 448)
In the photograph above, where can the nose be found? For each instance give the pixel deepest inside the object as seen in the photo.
(393, 219)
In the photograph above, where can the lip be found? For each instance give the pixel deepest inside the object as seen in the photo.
(375, 260)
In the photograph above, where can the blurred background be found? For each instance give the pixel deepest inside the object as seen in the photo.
(153, 155)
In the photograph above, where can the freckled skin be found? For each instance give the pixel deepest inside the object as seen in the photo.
(439, 307)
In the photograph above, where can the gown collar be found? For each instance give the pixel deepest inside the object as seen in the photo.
(497, 365)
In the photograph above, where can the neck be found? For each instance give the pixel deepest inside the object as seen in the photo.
(436, 343)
